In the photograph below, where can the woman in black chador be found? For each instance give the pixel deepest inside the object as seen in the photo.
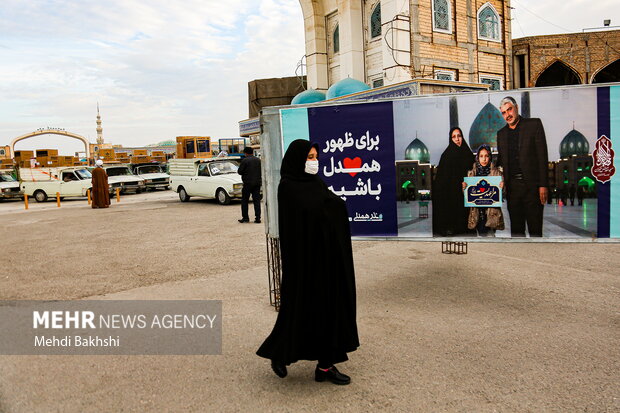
(449, 212)
(317, 301)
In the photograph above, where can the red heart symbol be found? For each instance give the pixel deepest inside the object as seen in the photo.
(352, 163)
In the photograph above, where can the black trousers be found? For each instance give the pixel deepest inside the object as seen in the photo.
(524, 207)
(246, 191)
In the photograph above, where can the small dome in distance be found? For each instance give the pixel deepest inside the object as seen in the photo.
(308, 96)
(574, 143)
(346, 87)
(417, 151)
(484, 128)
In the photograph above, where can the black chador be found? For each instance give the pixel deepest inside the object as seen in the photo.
(317, 314)
(449, 212)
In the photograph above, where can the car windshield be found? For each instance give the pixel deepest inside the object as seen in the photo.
(118, 171)
(6, 178)
(83, 174)
(149, 169)
(221, 168)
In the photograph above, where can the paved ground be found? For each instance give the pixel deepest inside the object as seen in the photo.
(568, 221)
(505, 328)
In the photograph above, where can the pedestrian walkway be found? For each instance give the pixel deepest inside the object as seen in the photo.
(578, 221)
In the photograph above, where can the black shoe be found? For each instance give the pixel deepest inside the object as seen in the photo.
(257, 221)
(332, 375)
(279, 369)
(243, 220)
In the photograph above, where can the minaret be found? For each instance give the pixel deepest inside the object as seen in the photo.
(99, 128)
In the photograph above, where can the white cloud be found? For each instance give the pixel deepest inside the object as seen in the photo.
(158, 69)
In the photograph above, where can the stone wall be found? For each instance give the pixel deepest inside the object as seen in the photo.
(585, 53)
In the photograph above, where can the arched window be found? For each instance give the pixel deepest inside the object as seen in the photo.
(610, 73)
(337, 39)
(558, 74)
(488, 23)
(441, 16)
(375, 22)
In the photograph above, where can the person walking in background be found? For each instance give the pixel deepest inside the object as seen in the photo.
(100, 189)
(571, 193)
(485, 220)
(250, 171)
(580, 194)
(449, 212)
(317, 318)
(522, 152)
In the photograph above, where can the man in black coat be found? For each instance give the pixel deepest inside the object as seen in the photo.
(250, 172)
(522, 152)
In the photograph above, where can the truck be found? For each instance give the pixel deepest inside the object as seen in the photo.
(212, 178)
(9, 186)
(120, 176)
(153, 174)
(42, 183)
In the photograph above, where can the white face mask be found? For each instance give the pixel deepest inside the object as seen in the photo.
(312, 167)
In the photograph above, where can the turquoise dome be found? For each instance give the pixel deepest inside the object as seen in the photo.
(308, 96)
(417, 151)
(574, 143)
(484, 129)
(167, 143)
(346, 87)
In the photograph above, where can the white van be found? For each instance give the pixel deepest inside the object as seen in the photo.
(214, 178)
(120, 176)
(42, 183)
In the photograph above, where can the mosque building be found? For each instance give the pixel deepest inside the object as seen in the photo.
(413, 175)
(575, 163)
(387, 42)
(393, 48)
(591, 56)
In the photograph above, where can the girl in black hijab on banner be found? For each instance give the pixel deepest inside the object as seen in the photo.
(485, 220)
(317, 297)
(449, 212)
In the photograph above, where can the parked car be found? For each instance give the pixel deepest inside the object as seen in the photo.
(214, 178)
(9, 186)
(153, 174)
(42, 183)
(120, 176)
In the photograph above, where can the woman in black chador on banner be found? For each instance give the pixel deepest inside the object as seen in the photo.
(317, 300)
(449, 212)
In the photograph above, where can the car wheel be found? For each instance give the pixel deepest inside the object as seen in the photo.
(222, 197)
(138, 191)
(40, 196)
(183, 195)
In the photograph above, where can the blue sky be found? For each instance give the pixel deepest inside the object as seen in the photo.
(160, 69)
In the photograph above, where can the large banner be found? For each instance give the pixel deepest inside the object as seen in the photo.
(401, 165)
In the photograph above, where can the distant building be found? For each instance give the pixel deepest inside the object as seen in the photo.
(573, 169)
(567, 59)
(413, 175)
(387, 42)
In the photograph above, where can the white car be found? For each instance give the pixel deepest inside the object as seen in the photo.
(214, 178)
(9, 186)
(153, 175)
(42, 183)
(120, 176)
